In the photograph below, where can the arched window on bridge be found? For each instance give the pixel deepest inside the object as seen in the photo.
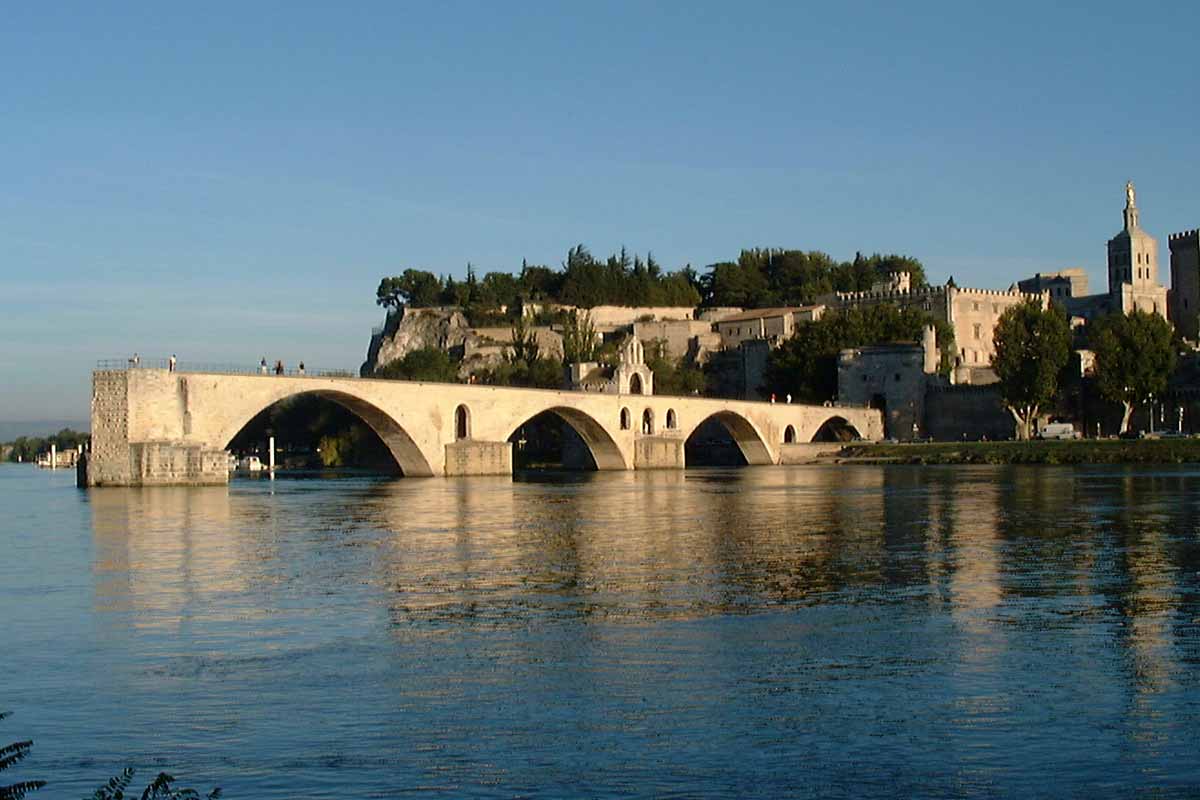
(671, 422)
(624, 419)
(789, 435)
(462, 423)
(635, 384)
(648, 422)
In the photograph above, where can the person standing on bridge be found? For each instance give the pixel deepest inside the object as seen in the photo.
(301, 370)
(171, 363)
(262, 366)
(279, 367)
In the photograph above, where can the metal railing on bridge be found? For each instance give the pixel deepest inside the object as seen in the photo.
(121, 364)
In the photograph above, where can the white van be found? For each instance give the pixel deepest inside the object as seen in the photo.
(1058, 430)
(251, 464)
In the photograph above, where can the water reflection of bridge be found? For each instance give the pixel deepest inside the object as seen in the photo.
(891, 580)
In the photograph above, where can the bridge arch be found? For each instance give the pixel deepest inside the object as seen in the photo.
(745, 434)
(603, 448)
(836, 428)
(400, 444)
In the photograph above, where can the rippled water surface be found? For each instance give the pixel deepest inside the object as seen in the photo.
(808, 631)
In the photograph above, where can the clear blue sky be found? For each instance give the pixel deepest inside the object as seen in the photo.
(228, 183)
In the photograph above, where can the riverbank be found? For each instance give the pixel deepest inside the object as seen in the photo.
(1085, 451)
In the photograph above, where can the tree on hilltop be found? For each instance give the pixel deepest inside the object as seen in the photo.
(414, 287)
(1033, 345)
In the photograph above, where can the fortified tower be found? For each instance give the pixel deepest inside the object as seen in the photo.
(1133, 265)
(1185, 282)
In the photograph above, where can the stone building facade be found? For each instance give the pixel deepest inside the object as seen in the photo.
(1185, 282)
(771, 324)
(892, 378)
(1061, 285)
(972, 313)
(678, 336)
(629, 376)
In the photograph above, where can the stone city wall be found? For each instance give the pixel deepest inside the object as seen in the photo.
(971, 413)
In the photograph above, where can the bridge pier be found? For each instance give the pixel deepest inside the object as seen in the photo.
(658, 452)
(474, 457)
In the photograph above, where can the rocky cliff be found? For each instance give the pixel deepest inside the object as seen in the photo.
(412, 329)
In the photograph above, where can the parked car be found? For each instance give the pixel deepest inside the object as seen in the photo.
(1058, 430)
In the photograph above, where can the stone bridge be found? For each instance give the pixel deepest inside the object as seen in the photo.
(153, 426)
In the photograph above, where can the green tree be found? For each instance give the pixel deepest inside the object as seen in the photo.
(672, 376)
(27, 448)
(544, 373)
(414, 287)
(764, 277)
(805, 366)
(1032, 345)
(1135, 357)
(525, 345)
(426, 364)
(579, 338)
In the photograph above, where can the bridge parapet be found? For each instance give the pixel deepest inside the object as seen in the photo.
(153, 426)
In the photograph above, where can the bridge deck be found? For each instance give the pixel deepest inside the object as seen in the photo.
(188, 415)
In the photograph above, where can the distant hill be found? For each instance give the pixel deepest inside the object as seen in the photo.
(40, 427)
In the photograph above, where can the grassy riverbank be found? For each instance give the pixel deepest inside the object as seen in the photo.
(1086, 451)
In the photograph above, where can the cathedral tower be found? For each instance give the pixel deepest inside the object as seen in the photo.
(1133, 265)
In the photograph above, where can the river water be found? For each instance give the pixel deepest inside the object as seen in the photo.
(757, 632)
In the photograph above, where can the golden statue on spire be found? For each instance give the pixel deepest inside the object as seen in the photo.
(1129, 195)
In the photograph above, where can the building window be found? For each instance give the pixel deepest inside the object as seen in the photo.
(789, 435)
(624, 419)
(974, 306)
(975, 329)
(671, 423)
(648, 422)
